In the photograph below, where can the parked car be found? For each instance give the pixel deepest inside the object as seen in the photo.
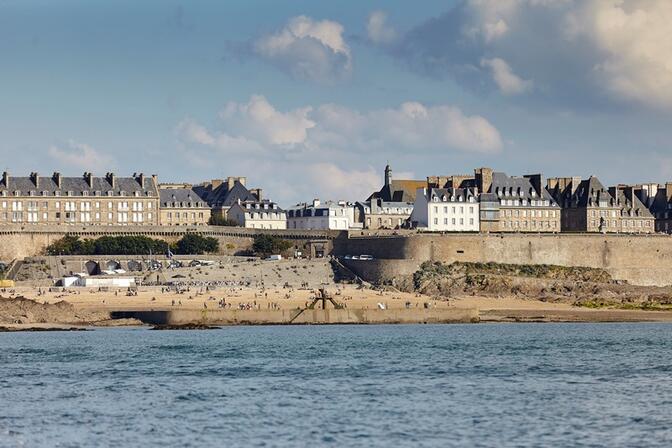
(366, 257)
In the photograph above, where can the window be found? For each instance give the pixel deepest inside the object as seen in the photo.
(436, 221)
(445, 221)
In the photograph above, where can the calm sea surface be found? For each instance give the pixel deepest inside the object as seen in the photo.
(412, 385)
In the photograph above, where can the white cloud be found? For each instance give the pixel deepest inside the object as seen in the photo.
(576, 51)
(258, 118)
(328, 150)
(81, 156)
(508, 82)
(378, 30)
(336, 183)
(308, 49)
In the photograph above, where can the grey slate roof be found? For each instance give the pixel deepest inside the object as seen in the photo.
(259, 205)
(589, 193)
(631, 208)
(79, 185)
(222, 196)
(508, 187)
(181, 197)
(452, 194)
(661, 204)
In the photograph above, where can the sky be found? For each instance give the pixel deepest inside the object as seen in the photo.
(311, 99)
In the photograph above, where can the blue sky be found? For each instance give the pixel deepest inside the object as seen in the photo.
(311, 99)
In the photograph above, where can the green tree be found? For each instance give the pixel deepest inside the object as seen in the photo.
(265, 245)
(194, 244)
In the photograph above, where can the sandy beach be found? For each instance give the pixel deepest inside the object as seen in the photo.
(91, 302)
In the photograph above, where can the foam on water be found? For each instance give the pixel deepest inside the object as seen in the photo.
(414, 385)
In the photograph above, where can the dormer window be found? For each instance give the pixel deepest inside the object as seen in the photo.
(85, 193)
(122, 193)
(110, 193)
(69, 193)
(17, 193)
(136, 194)
(45, 193)
(97, 193)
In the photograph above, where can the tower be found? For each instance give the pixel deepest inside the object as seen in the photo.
(388, 175)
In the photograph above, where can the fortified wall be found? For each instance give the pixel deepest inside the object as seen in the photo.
(638, 259)
(29, 241)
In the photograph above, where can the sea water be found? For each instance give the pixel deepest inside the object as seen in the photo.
(396, 385)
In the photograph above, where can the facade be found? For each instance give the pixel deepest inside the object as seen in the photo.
(635, 217)
(322, 216)
(258, 215)
(524, 204)
(658, 200)
(587, 206)
(85, 200)
(446, 210)
(182, 206)
(391, 206)
(378, 214)
(221, 195)
(507, 203)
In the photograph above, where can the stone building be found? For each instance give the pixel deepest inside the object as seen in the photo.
(507, 203)
(323, 216)
(391, 206)
(84, 200)
(635, 216)
(658, 199)
(524, 204)
(446, 210)
(258, 215)
(221, 195)
(587, 206)
(182, 206)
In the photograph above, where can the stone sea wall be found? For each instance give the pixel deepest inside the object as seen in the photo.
(640, 260)
(29, 241)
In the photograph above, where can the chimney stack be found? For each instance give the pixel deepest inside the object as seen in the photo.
(483, 179)
(668, 191)
(256, 192)
(537, 182)
(35, 179)
(111, 179)
(5, 179)
(216, 183)
(155, 179)
(89, 179)
(58, 179)
(141, 180)
(316, 202)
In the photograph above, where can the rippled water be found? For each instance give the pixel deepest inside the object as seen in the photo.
(413, 385)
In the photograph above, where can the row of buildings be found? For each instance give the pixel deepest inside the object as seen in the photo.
(486, 201)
